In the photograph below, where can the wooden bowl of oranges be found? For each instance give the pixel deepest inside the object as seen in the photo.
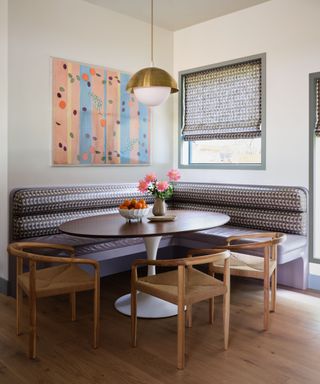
(134, 209)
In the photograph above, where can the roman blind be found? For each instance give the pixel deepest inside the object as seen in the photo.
(317, 127)
(223, 102)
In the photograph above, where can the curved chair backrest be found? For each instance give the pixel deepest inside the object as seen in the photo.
(211, 256)
(22, 250)
(269, 239)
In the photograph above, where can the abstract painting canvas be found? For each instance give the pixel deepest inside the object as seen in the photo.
(95, 120)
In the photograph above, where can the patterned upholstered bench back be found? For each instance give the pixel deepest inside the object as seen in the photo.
(274, 208)
(39, 211)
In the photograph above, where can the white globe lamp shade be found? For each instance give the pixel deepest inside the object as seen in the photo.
(152, 96)
(152, 86)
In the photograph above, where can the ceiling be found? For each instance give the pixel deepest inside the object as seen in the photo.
(176, 14)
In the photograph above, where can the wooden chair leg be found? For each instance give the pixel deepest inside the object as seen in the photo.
(19, 298)
(266, 302)
(33, 327)
(211, 310)
(133, 316)
(226, 318)
(73, 303)
(96, 314)
(181, 336)
(19, 303)
(189, 316)
(211, 301)
(273, 290)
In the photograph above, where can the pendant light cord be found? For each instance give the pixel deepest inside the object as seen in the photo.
(152, 63)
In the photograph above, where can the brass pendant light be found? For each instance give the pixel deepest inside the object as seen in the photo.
(152, 86)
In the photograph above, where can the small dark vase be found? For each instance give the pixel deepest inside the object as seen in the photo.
(159, 207)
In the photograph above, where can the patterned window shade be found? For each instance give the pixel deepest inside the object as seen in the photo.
(317, 127)
(223, 102)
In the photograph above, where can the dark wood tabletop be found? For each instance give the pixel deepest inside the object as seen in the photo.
(115, 225)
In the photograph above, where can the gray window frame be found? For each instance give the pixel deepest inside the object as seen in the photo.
(243, 166)
(312, 137)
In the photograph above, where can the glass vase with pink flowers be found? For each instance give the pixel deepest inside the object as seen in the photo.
(160, 189)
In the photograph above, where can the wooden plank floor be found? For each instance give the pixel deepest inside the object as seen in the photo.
(289, 353)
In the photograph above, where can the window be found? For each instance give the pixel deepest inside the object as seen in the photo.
(222, 111)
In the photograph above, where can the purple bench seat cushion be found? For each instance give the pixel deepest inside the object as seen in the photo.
(87, 245)
(84, 246)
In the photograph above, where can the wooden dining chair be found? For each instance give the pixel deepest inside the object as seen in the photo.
(183, 286)
(247, 265)
(65, 278)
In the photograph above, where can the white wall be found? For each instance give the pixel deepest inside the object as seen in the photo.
(80, 31)
(288, 31)
(3, 137)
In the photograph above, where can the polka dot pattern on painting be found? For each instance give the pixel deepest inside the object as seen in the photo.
(93, 115)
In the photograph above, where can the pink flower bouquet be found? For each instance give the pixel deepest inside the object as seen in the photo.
(161, 189)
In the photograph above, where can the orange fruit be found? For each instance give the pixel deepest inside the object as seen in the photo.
(139, 205)
(126, 203)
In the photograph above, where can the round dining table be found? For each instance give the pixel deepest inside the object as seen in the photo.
(115, 226)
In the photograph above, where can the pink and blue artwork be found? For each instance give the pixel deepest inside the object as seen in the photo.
(95, 120)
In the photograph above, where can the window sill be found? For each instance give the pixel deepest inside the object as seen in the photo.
(253, 167)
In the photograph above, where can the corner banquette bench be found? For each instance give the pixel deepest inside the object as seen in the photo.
(36, 213)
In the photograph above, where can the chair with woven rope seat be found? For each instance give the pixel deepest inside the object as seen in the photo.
(248, 265)
(183, 286)
(65, 278)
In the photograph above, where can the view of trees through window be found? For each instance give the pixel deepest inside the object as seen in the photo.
(239, 151)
